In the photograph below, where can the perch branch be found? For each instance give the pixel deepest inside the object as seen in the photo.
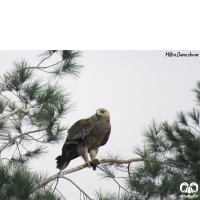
(61, 174)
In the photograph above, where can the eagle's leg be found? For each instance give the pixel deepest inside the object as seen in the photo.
(93, 153)
(84, 152)
(94, 161)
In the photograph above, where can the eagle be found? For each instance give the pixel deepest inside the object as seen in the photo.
(86, 136)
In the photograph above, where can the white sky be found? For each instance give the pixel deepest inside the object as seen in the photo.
(135, 86)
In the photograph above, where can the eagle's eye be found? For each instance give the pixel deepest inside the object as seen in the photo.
(102, 112)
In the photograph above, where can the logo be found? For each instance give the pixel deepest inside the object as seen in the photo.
(190, 189)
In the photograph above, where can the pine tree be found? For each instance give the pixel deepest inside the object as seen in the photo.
(172, 157)
(31, 110)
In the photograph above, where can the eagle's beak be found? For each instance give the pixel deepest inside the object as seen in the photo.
(97, 112)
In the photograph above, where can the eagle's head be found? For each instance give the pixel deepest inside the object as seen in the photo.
(103, 114)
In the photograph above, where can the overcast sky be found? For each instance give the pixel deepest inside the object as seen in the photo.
(134, 86)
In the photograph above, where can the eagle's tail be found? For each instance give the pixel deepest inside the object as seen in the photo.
(61, 162)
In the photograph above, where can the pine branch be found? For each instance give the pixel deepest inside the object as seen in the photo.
(69, 66)
(18, 136)
(44, 59)
(10, 80)
(13, 112)
(62, 174)
(15, 74)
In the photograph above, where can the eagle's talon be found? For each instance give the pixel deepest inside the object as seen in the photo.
(95, 161)
(88, 163)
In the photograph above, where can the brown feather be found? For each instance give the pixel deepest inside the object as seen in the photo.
(84, 136)
(80, 129)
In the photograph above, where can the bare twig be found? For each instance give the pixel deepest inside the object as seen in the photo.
(57, 191)
(13, 112)
(18, 150)
(55, 185)
(37, 139)
(119, 193)
(44, 60)
(18, 136)
(1, 163)
(194, 129)
(78, 187)
(54, 64)
(129, 174)
(115, 181)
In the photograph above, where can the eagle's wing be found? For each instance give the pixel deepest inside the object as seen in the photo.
(108, 130)
(77, 132)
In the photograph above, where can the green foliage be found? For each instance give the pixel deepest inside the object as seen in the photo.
(174, 157)
(2, 105)
(18, 182)
(109, 170)
(127, 196)
(43, 107)
(105, 195)
(31, 118)
(31, 90)
(35, 152)
(196, 90)
(2, 128)
(23, 75)
(195, 116)
(46, 194)
(172, 153)
(68, 64)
